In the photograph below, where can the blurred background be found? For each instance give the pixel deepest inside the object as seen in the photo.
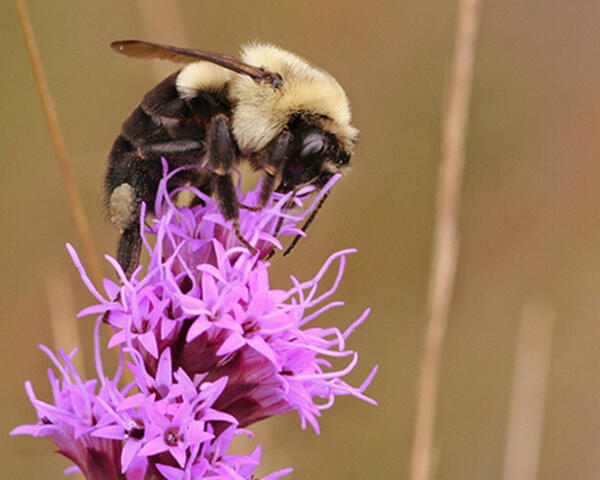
(524, 318)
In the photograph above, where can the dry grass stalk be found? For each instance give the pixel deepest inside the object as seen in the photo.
(163, 22)
(445, 242)
(58, 143)
(526, 413)
(63, 320)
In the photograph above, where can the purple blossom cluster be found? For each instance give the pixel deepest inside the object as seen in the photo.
(206, 348)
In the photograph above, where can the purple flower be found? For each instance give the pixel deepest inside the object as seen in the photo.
(74, 415)
(210, 346)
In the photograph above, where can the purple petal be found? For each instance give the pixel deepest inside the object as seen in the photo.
(164, 371)
(183, 412)
(157, 418)
(134, 401)
(153, 447)
(212, 415)
(197, 434)
(278, 474)
(130, 450)
(200, 326)
(117, 339)
(33, 430)
(137, 469)
(148, 340)
(193, 306)
(86, 280)
(228, 323)
(211, 270)
(111, 288)
(71, 470)
(178, 454)
(93, 310)
(170, 473)
(258, 344)
(115, 432)
(209, 287)
(166, 327)
(234, 342)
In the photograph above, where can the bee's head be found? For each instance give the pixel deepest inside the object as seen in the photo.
(306, 94)
(313, 156)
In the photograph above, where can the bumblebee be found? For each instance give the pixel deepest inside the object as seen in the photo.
(269, 107)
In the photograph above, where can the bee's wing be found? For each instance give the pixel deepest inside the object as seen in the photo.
(142, 49)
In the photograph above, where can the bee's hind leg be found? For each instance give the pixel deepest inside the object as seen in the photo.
(130, 248)
(124, 208)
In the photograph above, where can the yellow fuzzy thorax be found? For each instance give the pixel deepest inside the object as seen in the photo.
(261, 111)
(200, 76)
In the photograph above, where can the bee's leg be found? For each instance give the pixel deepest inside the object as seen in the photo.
(130, 248)
(124, 210)
(133, 176)
(276, 161)
(276, 156)
(178, 153)
(130, 179)
(204, 183)
(222, 156)
(128, 184)
(181, 153)
(227, 198)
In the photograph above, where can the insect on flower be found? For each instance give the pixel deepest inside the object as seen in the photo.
(270, 107)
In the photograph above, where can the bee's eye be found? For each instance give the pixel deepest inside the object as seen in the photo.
(314, 143)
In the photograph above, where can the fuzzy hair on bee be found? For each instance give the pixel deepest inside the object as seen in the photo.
(262, 112)
(200, 76)
(285, 116)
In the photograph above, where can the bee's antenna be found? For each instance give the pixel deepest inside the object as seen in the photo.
(297, 238)
(240, 237)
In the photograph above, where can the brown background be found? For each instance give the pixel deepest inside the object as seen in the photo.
(530, 225)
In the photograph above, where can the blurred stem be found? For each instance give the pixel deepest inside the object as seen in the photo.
(163, 22)
(63, 319)
(445, 241)
(528, 396)
(58, 143)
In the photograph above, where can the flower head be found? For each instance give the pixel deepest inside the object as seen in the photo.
(210, 345)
